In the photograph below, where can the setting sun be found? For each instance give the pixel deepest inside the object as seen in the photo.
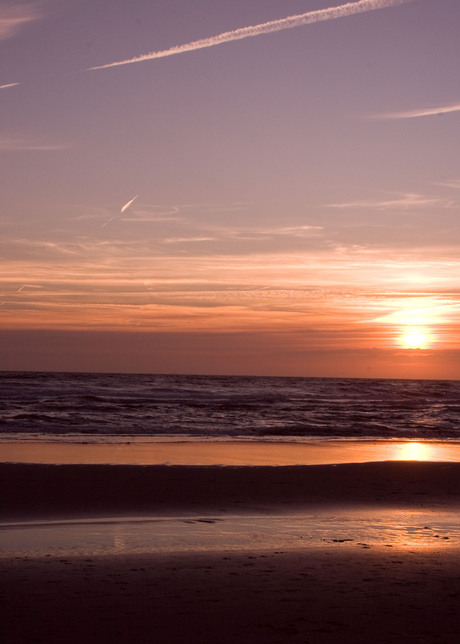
(415, 339)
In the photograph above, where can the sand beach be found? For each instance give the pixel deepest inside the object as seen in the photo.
(303, 553)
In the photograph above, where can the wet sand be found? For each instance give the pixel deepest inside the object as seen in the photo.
(223, 452)
(339, 585)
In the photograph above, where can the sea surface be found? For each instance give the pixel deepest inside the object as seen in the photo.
(107, 407)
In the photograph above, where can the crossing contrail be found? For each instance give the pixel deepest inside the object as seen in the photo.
(331, 13)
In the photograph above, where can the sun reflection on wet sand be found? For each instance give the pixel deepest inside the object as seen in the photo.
(362, 528)
(236, 452)
(414, 451)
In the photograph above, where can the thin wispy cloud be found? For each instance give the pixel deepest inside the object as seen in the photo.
(450, 183)
(276, 232)
(187, 240)
(15, 15)
(406, 201)
(296, 231)
(250, 234)
(18, 144)
(298, 20)
(156, 212)
(412, 114)
(419, 315)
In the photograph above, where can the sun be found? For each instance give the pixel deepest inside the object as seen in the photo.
(415, 339)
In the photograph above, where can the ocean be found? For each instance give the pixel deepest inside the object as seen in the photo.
(90, 407)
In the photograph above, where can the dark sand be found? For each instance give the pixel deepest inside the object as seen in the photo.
(46, 491)
(339, 594)
(341, 591)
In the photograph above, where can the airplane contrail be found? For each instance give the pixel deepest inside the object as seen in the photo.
(331, 13)
(122, 210)
(9, 85)
(430, 111)
(127, 205)
(24, 286)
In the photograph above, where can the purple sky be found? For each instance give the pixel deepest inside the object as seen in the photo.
(294, 195)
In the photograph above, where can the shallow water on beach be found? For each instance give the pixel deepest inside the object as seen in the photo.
(357, 528)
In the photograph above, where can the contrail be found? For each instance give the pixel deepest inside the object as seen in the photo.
(127, 205)
(430, 111)
(331, 13)
(24, 286)
(9, 85)
(123, 209)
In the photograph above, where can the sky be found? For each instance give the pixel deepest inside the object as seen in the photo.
(261, 187)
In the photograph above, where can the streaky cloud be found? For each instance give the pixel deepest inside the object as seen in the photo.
(452, 183)
(14, 16)
(413, 114)
(18, 144)
(298, 20)
(405, 201)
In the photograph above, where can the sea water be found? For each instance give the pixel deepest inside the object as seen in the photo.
(101, 407)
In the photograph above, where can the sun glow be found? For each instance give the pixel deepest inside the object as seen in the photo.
(415, 338)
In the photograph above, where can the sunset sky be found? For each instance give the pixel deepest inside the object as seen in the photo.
(280, 200)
